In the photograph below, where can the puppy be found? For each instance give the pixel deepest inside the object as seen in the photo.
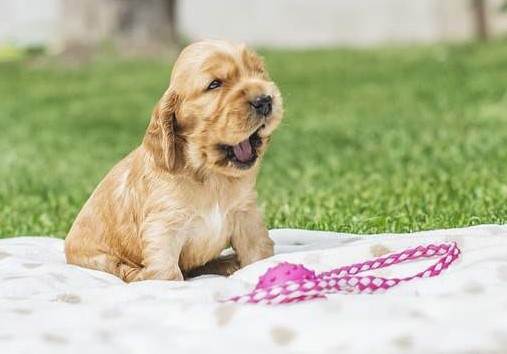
(188, 191)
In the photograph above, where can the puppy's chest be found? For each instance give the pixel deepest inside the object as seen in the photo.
(210, 225)
(215, 221)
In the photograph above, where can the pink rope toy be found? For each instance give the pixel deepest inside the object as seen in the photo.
(288, 283)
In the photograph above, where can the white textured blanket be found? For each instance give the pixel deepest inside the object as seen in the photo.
(47, 306)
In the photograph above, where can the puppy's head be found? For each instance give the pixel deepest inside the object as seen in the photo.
(217, 114)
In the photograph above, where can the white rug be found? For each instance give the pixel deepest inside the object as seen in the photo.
(47, 306)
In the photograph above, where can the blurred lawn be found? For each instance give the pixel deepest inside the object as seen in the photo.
(373, 141)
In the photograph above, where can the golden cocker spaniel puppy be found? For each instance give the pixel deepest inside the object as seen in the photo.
(188, 191)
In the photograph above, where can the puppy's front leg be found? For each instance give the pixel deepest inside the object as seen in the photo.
(250, 239)
(161, 251)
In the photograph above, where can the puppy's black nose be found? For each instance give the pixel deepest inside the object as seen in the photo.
(262, 105)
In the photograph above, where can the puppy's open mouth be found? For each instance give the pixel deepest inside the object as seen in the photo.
(244, 154)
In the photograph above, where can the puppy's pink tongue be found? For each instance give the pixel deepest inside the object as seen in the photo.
(243, 150)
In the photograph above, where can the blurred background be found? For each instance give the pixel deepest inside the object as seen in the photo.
(395, 110)
(154, 24)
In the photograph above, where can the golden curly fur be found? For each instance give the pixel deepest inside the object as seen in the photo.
(188, 192)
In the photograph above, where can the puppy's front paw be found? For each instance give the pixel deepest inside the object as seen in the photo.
(171, 274)
(159, 274)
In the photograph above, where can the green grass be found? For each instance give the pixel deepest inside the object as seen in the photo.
(373, 141)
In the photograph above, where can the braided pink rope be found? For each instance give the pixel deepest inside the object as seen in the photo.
(301, 284)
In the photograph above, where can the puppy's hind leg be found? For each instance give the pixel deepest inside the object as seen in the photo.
(127, 271)
(107, 263)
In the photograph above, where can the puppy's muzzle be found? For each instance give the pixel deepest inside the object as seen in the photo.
(263, 105)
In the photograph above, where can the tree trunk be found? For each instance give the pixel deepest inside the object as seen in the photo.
(481, 23)
(132, 27)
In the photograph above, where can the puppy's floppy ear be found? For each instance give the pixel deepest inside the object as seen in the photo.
(163, 138)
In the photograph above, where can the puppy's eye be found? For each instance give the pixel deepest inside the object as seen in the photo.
(214, 84)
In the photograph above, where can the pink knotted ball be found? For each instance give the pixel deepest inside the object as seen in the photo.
(282, 273)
